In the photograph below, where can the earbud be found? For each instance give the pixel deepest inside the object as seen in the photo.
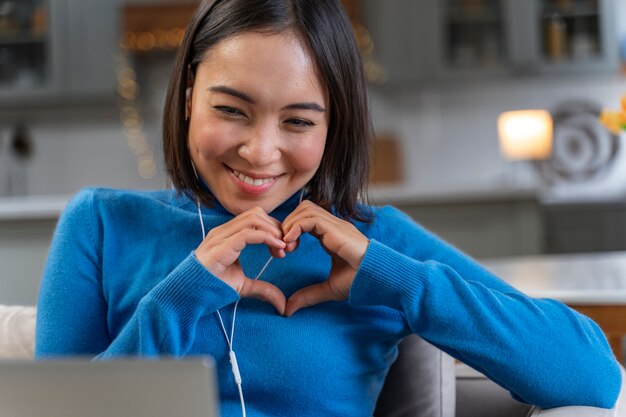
(243, 149)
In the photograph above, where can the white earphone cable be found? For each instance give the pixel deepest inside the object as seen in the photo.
(229, 340)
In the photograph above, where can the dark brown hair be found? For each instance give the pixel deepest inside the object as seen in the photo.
(341, 180)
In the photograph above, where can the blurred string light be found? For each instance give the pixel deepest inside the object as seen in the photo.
(130, 117)
(374, 71)
(146, 41)
(128, 91)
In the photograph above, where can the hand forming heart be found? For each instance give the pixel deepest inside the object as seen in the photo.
(219, 252)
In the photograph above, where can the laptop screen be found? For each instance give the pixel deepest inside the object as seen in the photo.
(120, 388)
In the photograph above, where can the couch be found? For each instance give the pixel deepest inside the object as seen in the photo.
(423, 382)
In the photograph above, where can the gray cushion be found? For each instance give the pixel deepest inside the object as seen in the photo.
(479, 396)
(421, 383)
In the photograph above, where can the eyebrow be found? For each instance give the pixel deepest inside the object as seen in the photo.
(231, 92)
(245, 97)
(305, 106)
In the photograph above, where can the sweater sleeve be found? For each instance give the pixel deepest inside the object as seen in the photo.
(72, 310)
(543, 352)
(166, 318)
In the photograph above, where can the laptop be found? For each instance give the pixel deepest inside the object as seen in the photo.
(120, 388)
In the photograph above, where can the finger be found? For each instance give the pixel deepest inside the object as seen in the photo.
(246, 237)
(310, 296)
(304, 209)
(266, 292)
(277, 253)
(293, 231)
(312, 219)
(252, 219)
(317, 226)
(292, 246)
(258, 216)
(221, 256)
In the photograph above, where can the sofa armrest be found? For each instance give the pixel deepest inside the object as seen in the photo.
(17, 332)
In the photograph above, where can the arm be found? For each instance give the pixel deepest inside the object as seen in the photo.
(73, 312)
(543, 352)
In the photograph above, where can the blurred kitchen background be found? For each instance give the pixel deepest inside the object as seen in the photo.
(82, 84)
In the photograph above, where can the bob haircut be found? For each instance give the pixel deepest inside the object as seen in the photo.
(341, 179)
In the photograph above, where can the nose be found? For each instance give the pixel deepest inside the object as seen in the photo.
(262, 147)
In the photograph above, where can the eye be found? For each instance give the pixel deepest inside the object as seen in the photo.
(299, 123)
(229, 111)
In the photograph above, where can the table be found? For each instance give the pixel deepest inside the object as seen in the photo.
(591, 283)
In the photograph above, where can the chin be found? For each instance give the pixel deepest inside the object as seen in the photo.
(238, 207)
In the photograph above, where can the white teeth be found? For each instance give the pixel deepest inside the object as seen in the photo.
(252, 181)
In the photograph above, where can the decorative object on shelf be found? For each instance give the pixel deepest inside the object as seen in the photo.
(473, 33)
(583, 149)
(614, 121)
(23, 26)
(14, 152)
(556, 38)
(22, 144)
(572, 30)
(525, 134)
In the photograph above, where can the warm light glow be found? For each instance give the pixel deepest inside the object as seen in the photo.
(525, 134)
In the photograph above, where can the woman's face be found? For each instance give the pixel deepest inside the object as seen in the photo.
(258, 120)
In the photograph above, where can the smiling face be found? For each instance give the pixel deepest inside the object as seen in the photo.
(258, 120)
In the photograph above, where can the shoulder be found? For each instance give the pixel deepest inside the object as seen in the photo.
(388, 220)
(96, 203)
(108, 197)
(389, 216)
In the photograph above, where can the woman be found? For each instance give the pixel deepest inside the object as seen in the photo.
(266, 134)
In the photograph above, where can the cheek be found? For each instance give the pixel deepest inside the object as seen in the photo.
(209, 139)
(308, 155)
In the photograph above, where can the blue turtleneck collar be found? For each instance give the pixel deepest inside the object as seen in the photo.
(279, 213)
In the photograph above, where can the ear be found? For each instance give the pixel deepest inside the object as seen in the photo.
(188, 102)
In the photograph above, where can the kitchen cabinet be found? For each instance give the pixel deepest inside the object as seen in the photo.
(402, 35)
(484, 229)
(590, 227)
(425, 41)
(56, 50)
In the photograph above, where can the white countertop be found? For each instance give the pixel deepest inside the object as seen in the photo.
(32, 207)
(576, 279)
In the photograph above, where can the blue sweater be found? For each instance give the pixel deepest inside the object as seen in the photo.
(121, 280)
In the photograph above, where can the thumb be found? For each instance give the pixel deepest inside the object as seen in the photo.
(266, 292)
(312, 295)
